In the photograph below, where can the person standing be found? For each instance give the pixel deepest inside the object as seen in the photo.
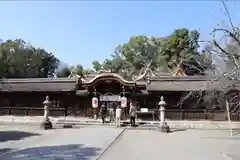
(132, 113)
(118, 116)
(111, 112)
(103, 113)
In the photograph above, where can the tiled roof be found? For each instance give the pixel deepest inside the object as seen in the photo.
(38, 84)
(154, 83)
(187, 83)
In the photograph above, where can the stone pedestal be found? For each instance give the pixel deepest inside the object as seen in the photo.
(95, 117)
(163, 124)
(164, 127)
(46, 123)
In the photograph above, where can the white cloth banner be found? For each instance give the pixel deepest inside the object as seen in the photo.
(110, 98)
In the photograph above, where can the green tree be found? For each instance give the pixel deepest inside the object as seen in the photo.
(133, 55)
(21, 60)
(165, 53)
(78, 68)
(139, 50)
(181, 46)
(87, 71)
(64, 72)
(96, 65)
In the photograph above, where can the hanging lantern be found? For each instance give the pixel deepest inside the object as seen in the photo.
(94, 102)
(123, 102)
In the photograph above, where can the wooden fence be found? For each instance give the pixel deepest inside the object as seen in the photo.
(30, 111)
(38, 111)
(171, 114)
(200, 114)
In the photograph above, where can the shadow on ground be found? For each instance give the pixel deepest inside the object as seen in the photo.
(15, 135)
(69, 152)
(177, 130)
(4, 150)
(227, 137)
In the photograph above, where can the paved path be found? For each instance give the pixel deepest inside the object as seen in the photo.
(23, 142)
(182, 145)
(70, 144)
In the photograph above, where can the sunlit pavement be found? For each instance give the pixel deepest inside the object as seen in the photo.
(182, 145)
(24, 142)
(70, 144)
(35, 120)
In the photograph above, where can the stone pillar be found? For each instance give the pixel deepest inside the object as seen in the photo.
(163, 124)
(46, 124)
(162, 113)
(95, 117)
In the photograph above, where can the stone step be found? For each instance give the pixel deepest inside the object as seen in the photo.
(99, 121)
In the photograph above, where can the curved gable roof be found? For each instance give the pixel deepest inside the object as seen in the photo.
(109, 76)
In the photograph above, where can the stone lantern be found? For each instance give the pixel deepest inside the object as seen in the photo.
(46, 124)
(163, 124)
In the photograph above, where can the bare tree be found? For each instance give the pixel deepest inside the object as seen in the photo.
(229, 53)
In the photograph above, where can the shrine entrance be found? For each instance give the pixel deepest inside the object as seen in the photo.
(112, 90)
(111, 100)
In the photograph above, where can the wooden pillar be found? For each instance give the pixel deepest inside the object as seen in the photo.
(65, 104)
(182, 114)
(205, 112)
(65, 111)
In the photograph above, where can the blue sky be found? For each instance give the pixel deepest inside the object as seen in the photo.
(79, 32)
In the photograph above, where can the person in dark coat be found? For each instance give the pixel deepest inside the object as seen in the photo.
(132, 113)
(103, 112)
(111, 111)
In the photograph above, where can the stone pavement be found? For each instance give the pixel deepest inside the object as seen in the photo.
(24, 142)
(182, 145)
(87, 121)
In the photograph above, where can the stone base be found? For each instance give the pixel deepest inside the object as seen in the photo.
(46, 124)
(164, 127)
(95, 117)
(67, 126)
